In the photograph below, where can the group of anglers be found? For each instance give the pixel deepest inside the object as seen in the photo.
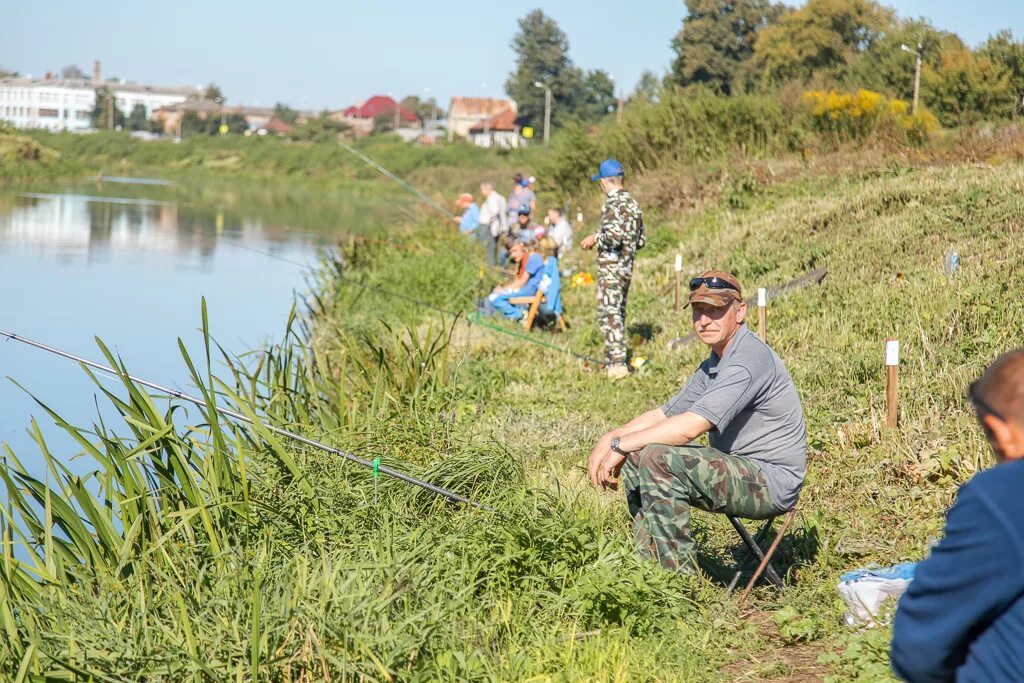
(962, 618)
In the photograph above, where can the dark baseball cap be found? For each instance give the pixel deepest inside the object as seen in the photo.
(727, 292)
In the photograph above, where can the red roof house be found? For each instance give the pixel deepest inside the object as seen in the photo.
(498, 131)
(377, 105)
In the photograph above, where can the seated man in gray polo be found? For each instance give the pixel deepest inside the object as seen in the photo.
(744, 399)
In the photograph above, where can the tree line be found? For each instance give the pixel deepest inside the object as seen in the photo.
(756, 46)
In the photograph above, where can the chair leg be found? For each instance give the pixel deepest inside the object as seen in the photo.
(759, 540)
(765, 566)
(756, 549)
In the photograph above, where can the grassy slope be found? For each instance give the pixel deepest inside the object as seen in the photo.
(298, 584)
(870, 496)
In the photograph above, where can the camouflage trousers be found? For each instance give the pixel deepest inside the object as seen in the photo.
(612, 290)
(663, 482)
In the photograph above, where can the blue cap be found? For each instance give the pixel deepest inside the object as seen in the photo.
(523, 210)
(610, 168)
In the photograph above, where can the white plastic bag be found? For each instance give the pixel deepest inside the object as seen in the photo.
(864, 590)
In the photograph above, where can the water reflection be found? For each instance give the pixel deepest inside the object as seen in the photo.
(132, 269)
(87, 225)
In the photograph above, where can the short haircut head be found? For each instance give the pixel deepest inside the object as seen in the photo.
(1000, 391)
(486, 186)
(548, 246)
(557, 211)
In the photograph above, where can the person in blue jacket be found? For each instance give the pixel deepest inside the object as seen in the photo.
(962, 617)
(470, 219)
(525, 283)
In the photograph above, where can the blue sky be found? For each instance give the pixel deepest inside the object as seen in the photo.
(330, 54)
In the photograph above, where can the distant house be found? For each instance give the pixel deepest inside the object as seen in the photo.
(256, 118)
(362, 117)
(169, 117)
(67, 103)
(498, 131)
(275, 126)
(466, 112)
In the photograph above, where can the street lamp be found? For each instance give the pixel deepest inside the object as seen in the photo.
(917, 73)
(223, 122)
(547, 109)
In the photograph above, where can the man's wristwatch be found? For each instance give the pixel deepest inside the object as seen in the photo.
(615, 446)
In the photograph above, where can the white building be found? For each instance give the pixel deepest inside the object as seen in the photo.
(66, 103)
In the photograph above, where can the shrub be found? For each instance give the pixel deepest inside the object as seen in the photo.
(859, 115)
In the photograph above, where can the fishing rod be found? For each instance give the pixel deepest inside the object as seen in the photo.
(401, 476)
(424, 198)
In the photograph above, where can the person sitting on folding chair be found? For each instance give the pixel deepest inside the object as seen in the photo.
(744, 399)
(525, 283)
(551, 284)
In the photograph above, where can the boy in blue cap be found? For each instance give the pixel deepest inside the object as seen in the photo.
(620, 235)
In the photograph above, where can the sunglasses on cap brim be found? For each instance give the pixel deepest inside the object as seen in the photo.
(712, 283)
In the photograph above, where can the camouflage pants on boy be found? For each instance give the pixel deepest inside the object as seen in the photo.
(663, 482)
(612, 290)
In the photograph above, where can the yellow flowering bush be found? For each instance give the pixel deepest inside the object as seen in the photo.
(856, 115)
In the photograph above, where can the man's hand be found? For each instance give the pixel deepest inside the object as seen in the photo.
(603, 447)
(588, 242)
(608, 471)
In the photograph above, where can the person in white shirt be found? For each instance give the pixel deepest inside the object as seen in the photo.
(560, 230)
(493, 221)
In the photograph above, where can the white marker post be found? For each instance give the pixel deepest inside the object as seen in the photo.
(762, 313)
(892, 382)
(679, 279)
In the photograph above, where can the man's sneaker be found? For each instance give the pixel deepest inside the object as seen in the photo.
(618, 372)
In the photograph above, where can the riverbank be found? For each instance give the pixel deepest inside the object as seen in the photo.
(280, 561)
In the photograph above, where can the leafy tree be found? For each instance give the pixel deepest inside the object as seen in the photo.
(1003, 50)
(717, 41)
(285, 113)
(648, 88)
(137, 119)
(965, 87)
(72, 71)
(212, 91)
(320, 128)
(542, 55)
(5, 73)
(596, 96)
(384, 122)
(822, 38)
(201, 123)
(424, 109)
(105, 112)
(885, 67)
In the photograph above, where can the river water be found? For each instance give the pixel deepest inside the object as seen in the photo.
(130, 263)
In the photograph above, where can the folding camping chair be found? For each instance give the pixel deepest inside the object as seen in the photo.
(534, 303)
(753, 544)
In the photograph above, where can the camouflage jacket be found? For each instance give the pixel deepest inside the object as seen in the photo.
(622, 228)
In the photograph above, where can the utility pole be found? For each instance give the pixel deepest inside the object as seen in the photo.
(917, 74)
(547, 109)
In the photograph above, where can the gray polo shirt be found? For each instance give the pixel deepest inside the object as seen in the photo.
(750, 399)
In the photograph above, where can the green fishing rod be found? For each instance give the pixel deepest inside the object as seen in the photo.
(371, 465)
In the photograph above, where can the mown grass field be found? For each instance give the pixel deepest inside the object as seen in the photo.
(251, 559)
